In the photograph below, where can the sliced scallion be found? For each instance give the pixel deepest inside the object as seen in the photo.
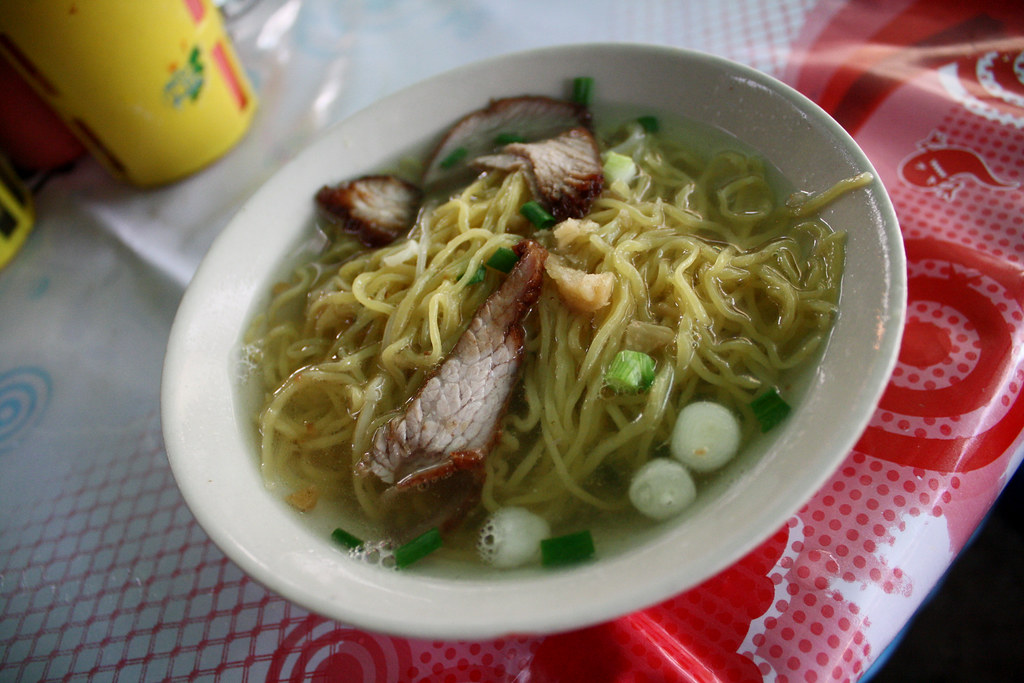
(478, 276)
(582, 90)
(417, 548)
(649, 123)
(537, 214)
(454, 157)
(503, 259)
(618, 167)
(508, 138)
(342, 537)
(630, 371)
(770, 409)
(568, 549)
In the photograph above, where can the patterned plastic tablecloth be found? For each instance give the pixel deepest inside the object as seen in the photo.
(104, 573)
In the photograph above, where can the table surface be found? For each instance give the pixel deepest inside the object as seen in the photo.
(104, 573)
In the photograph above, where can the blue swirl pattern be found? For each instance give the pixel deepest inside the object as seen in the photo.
(24, 397)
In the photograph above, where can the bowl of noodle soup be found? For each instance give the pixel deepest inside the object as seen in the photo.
(750, 247)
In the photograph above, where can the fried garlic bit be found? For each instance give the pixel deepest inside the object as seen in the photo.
(305, 499)
(583, 292)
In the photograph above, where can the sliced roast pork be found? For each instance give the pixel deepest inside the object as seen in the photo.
(529, 117)
(432, 454)
(564, 172)
(377, 209)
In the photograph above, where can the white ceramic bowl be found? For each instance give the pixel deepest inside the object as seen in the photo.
(208, 436)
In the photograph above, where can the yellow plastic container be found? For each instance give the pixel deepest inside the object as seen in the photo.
(152, 88)
(16, 213)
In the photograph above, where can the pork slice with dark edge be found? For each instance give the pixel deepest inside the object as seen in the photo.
(431, 455)
(564, 172)
(526, 118)
(376, 209)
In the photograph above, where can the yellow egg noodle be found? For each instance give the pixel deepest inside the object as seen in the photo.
(724, 286)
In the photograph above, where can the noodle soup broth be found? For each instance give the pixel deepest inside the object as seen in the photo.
(722, 272)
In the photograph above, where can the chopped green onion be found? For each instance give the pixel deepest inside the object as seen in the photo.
(478, 276)
(582, 90)
(508, 138)
(537, 214)
(342, 537)
(769, 409)
(417, 548)
(456, 155)
(568, 549)
(503, 259)
(618, 167)
(630, 371)
(649, 123)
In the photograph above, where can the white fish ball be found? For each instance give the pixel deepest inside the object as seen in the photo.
(706, 436)
(662, 488)
(511, 537)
